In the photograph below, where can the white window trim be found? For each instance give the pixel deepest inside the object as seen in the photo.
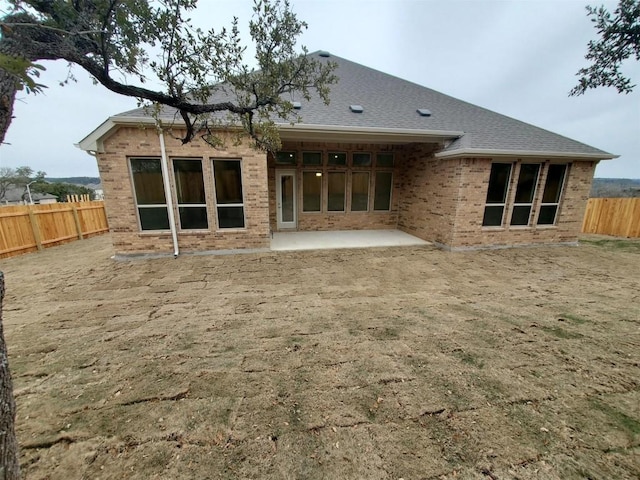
(146, 205)
(215, 196)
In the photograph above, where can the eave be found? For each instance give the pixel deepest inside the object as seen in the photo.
(496, 153)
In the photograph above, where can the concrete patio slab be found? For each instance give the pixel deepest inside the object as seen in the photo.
(342, 239)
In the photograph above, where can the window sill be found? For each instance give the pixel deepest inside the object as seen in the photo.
(546, 227)
(493, 229)
(230, 230)
(520, 227)
(149, 233)
(194, 231)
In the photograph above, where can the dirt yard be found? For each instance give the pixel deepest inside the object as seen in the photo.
(388, 363)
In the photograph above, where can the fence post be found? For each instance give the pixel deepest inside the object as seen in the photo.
(76, 219)
(35, 228)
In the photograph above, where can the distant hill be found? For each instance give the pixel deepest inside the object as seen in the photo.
(74, 180)
(615, 187)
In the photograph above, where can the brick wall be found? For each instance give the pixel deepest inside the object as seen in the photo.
(439, 200)
(115, 173)
(429, 195)
(474, 181)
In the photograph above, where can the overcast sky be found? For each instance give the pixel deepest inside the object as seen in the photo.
(516, 57)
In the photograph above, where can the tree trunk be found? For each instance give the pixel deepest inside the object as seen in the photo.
(9, 466)
(7, 97)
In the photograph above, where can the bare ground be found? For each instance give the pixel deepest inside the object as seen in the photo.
(385, 363)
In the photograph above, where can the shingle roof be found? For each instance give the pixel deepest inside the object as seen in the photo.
(391, 103)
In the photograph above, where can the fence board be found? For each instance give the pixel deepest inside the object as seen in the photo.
(613, 216)
(23, 226)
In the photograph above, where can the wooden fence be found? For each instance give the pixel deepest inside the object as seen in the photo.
(29, 228)
(613, 216)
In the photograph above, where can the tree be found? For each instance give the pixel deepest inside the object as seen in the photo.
(9, 465)
(619, 40)
(62, 189)
(20, 177)
(6, 180)
(202, 73)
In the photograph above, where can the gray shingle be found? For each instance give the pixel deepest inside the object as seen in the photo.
(391, 102)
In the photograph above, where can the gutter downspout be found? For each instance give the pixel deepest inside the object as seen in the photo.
(167, 192)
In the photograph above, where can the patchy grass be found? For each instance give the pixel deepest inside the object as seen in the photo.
(379, 364)
(627, 244)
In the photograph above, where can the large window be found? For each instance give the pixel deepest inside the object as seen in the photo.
(525, 193)
(336, 188)
(382, 191)
(551, 195)
(496, 194)
(192, 205)
(149, 191)
(229, 198)
(360, 191)
(311, 191)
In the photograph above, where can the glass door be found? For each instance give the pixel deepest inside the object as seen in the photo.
(286, 199)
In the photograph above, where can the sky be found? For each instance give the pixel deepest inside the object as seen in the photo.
(515, 57)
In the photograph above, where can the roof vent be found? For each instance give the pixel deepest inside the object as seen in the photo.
(356, 108)
(324, 53)
(424, 112)
(296, 105)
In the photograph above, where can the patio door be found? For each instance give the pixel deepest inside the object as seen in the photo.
(286, 212)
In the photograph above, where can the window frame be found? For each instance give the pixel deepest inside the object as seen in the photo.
(229, 205)
(507, 193)
(532, 204)
(356, 172)
(375, 188)
(343, 172)
(138, 205)
(190, 205)
(321, 193)
(560, 196)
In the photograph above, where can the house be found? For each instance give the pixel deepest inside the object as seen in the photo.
(385, 154)
(19, 196)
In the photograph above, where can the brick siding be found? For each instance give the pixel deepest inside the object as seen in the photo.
(114, 168)
(439, 200)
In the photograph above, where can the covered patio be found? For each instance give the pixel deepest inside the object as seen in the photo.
(282, 241)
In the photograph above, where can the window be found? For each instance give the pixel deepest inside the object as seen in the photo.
(361, 160)
(382, 192)
(336, 182)
(551, 195)
(229, 199)
(359, 191)
(149, 191)
(286, 158)
(311, 191)
(192, 205)
(384, 160)
(335, 158)
(496, 194)
(525, 192)
(311, 158)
